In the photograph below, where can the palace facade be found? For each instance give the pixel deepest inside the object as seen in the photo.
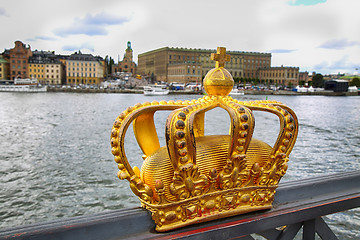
(191, 65)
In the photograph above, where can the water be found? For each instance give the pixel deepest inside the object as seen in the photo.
(56, 162)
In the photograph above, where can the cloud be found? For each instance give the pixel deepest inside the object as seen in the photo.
(91, 25)
(343, 64)
(3, 12)
(82, 46)
(338, 44)
(104, 19)
(283, 50)
(305, 2)
(45, 38)
(81, 29)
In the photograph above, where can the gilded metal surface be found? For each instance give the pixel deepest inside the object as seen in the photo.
(218, 81)
(197, 178)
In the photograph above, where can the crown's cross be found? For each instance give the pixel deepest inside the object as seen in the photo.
(220, 57)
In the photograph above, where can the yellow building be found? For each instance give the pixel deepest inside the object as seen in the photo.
(184, 72)
(46, 67)
(36, 70)
(53, 72)
(163, 62)
(84, 69)
(4, 68)
(285, 76)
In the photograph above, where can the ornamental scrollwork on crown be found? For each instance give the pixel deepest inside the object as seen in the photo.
(187, 181)
(196, 208)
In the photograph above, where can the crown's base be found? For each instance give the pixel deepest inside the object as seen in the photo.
(210, 206)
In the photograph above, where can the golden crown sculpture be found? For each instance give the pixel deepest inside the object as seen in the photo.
(197, 178)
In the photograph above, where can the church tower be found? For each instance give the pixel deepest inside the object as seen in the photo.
(129, 52)
(127, 64)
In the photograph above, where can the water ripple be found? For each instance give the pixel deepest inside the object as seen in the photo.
(55, 156)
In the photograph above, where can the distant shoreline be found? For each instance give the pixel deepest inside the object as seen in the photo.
(180, 92)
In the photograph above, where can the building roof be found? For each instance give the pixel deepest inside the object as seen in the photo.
(207, 51)
(338, 80)
(278, 68)
(84, 57)
(2, 60)
(43, 57)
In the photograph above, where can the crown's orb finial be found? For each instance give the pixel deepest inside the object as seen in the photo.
(218, 81)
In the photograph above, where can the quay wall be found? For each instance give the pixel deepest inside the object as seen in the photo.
(180, 92)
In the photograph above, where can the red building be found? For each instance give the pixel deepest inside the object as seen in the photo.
(18, 58)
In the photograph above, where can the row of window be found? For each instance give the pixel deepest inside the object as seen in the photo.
(82, 74)
(47, 65)
(82, 64)
(178, 57)
(232, 60)
(18, 67)
(82, 81)
(13, 72)
(272, 74)
(77, 69)
(256, 61)
(18, 61)
(19, 56)
(42, 76)
(42, 70)
(255, 66)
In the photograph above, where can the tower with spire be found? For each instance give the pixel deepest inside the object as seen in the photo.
(127, 64)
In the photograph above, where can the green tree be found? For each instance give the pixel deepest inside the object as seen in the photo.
(236, 80)
(318, 81)
(109, 61)
(244, 82)
(355, 82)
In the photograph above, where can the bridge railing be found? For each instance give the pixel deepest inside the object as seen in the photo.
(297, 205)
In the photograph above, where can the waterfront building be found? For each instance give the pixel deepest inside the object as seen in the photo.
(167, 64)
(127, 64)
(337, 85)
(285, 76)
(184, 72)
(54, 72)
(303, 78)
(84, 69)
(18, 60)
(4, 68)
(46, 67)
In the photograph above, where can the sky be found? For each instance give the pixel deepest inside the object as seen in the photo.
(314, 35)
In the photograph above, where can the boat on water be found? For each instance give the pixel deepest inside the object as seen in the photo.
(155, 90)
(236, 92)
(23, 85)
